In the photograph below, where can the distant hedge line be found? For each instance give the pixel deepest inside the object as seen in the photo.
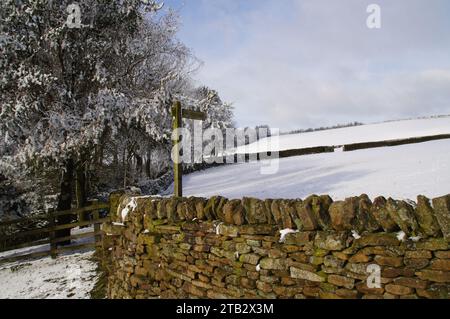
(412, 140)
(286, 153)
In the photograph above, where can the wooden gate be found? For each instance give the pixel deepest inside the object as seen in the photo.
(39, 232)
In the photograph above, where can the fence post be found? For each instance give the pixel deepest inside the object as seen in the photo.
(52, 233)
(96, 216)
(177, 166)
(81, 216)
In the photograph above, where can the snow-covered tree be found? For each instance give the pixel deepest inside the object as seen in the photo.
(70, 79)
(219, 113)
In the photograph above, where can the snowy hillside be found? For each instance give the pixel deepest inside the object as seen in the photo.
(401, 172)
(356, 134)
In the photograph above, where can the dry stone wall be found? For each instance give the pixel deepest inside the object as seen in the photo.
(250, 248)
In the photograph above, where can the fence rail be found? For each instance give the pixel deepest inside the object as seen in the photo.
(48, 233)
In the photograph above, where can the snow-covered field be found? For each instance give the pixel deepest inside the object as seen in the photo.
(357, 134)
(401, 172)
(67, 277)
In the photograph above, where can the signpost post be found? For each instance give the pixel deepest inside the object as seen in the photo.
(177, 120)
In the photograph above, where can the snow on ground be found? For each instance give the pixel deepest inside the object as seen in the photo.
(67, 277)
(356, 134)
(70, 276)
(400, 172)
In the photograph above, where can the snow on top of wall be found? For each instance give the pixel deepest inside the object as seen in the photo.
(130, 207)
(285, 232)
(218, 228)
(355, 234)
(401, 235)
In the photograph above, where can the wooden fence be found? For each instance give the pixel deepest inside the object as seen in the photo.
(44, 232)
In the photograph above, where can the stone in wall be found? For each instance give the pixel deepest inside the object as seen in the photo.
(442, 212)
(381, 214)
(402, 214)
(306, 218)
(425, 217)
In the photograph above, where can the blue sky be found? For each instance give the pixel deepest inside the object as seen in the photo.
(307, 63)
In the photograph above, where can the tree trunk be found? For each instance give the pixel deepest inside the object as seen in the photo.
(81, 190)
(148, 164)
(124, 161)
(65, 201)
(81, 186)
(139, 164)
(100, 155)
(116, 158)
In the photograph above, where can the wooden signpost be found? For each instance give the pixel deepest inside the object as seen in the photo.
(178, 114)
